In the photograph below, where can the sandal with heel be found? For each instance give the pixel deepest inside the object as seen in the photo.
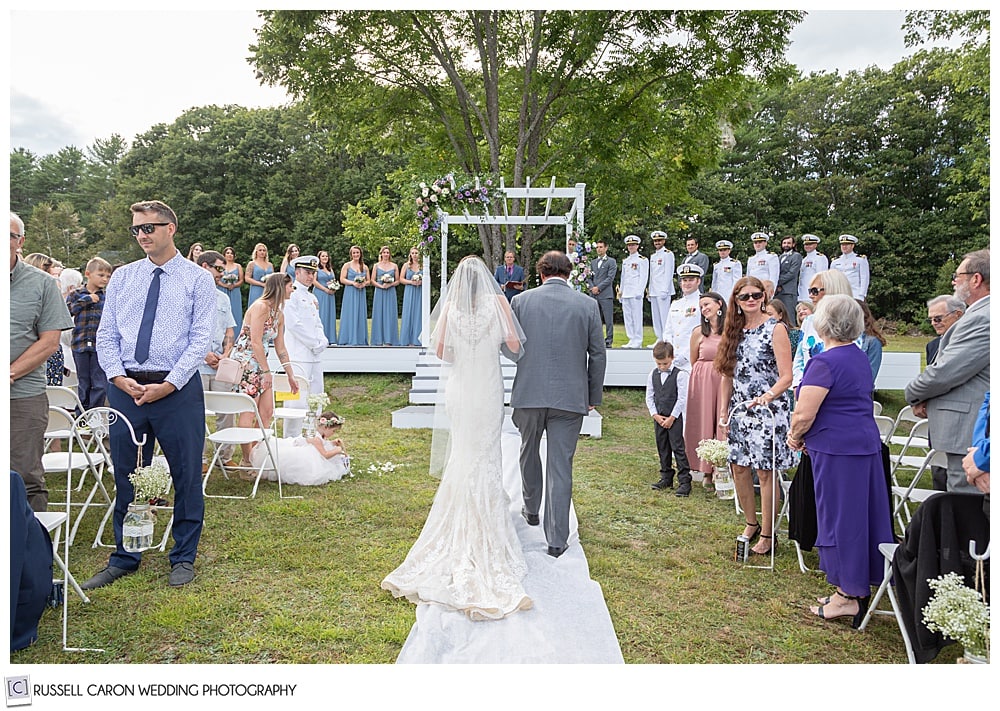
(856, 618)
(752, 537)
(769, 548)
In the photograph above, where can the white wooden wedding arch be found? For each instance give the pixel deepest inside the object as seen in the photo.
(537, 211)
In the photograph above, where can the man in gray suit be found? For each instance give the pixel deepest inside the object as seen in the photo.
(951, 388)
(559, 379)
(789, 263)
(601, 285)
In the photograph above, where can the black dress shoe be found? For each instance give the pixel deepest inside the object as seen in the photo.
(663, 484)
(181, 574)
(683, 490)
(105, 577)
(531, 518)
(555, 552)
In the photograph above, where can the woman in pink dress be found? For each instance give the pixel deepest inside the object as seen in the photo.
(701, 418)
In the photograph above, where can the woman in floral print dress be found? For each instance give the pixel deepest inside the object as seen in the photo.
(263, 324)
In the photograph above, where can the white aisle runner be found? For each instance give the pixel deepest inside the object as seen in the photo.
(569, 622)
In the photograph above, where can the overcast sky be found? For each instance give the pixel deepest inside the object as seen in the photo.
(77, 75)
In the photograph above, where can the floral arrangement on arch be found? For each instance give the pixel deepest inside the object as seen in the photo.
(581, 270)
(442, 196)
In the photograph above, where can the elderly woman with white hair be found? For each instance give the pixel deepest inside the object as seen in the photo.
(852, 499)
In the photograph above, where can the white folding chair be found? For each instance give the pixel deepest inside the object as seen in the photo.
(914, 449)
(236, 404)
(786, 485)
(82, 454)
(904, 495)
(905, 416)
(888, 550)
(282, 411)
(877, 407)
(885, 427)
(100, 420)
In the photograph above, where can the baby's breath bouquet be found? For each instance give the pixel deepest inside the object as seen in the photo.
(317, 401)
(959, 612)
(713, 451)
(151, 482)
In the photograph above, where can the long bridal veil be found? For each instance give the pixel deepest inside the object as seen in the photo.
(482, 325)
(468, 556)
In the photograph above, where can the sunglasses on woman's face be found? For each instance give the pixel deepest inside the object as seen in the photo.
(756, 296)
(814, 291)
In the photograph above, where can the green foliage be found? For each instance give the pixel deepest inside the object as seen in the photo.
(55, 230)
(597, 97)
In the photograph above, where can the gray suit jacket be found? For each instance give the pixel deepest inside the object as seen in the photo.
(564, 358)
(701, 259)
(603, 278)
(789, 265)
(954, 384)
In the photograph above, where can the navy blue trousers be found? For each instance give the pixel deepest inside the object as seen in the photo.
(92, 384)
(177, 422)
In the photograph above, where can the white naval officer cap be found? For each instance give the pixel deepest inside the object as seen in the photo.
(848, 238)
(759, 237)
(657, 234)
(810, 238)
(689, 269)
(308, 262)
(632, 239)
(723, 244)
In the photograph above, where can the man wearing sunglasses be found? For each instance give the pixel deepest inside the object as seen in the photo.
(942, 312)
(949, 391)
(155, 332)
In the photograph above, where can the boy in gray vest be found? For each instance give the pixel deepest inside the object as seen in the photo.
(666, 398)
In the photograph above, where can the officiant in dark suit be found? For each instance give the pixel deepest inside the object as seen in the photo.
(510, 276)
(559, 378)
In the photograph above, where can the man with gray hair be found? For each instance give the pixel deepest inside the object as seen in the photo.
(951, 388)
(942, 312)
(38, 315)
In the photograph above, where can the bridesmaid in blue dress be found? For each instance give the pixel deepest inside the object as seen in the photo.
(232, 286)
(412, 279)
(257, 270)
(325, 289)
(385, 305)
(292, 253)
(354, 277)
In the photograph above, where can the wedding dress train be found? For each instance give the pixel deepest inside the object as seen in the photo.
(468, 556)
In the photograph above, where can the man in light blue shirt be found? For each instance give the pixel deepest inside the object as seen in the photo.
(223, 336)
(155, 332)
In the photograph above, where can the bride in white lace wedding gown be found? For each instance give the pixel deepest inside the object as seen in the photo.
(468, 556)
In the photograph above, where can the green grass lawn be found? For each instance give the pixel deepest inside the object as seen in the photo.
(297, 581)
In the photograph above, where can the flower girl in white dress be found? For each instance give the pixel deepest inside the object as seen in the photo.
(308, 461)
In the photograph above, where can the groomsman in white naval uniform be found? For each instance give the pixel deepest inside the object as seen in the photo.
(812, 264)
(632, 287)
(684, 315)
(661, 280)
(763, 264)
(853, 266)
(727, 271)
(304, 335)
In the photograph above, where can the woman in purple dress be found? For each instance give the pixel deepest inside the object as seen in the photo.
(852, 502)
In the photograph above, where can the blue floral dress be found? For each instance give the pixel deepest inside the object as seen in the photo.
(410, 324)
(257, 291)
(385, 312)
(327, 304)
(353, 314)
(749, 431)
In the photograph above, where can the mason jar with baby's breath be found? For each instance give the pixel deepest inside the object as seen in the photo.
(149, 483)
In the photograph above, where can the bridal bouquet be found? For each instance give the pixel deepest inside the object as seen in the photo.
(150, 482)
(333, 285)
(387, 278)
(713, 451)
(417, 277)
(228, 279)
(957, 611)
(359, 279)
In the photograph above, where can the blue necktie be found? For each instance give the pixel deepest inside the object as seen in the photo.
(148, 316)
